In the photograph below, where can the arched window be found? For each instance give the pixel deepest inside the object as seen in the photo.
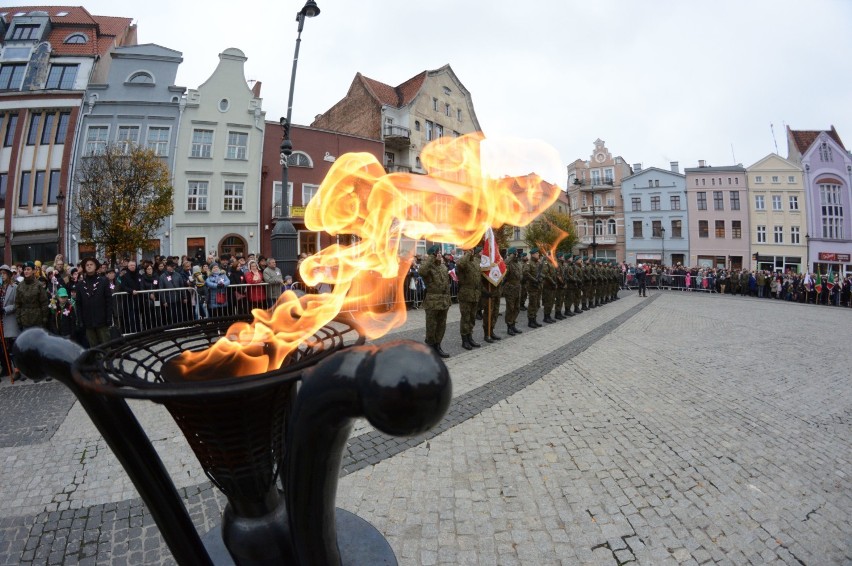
(300, 159)
(598, 227)
(141, 78)
(77, 38)
(610, 227)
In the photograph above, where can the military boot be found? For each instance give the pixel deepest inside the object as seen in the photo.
(440, 351)
(466, 343)
(509, 330)
(559, 315)
(471, 342)
(516, 331)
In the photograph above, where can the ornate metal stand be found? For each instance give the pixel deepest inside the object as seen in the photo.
(248, 432)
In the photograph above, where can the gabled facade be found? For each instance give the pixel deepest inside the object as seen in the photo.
(430, 105)
(718, 216)
(217, 165)
(828, 191)
(594, 190)
(138, 104)
(655, 217)
(314, 152)
(48, 55)
(777, 215)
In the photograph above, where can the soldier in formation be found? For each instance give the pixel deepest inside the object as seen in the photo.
(437, 301)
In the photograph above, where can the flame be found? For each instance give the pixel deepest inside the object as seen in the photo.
(456, 202)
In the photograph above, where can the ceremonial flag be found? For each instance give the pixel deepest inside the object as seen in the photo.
(818, 284)
(830, 282)
(491, 263)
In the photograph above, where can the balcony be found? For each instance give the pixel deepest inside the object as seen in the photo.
(396, 137)
(602, 211)
(594, 185)
(601, 240)
(397, 168)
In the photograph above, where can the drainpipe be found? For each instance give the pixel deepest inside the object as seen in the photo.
(169, 229)
(86, 108)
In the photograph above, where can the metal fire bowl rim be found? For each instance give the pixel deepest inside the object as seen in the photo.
(98, 369)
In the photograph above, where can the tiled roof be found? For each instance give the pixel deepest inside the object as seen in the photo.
(805, 138)
(101, 30)
(394, 96)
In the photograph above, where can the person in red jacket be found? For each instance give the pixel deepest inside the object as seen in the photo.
(256, 290)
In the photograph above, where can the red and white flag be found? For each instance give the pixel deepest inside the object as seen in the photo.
(491, 263)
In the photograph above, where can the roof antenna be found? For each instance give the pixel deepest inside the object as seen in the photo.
(732, 153)
(775, 141)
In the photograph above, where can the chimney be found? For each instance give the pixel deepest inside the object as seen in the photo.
(675, 167)
(637, 167)
(255, 90)
(701, 163)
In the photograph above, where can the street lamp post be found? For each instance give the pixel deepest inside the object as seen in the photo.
(60, 225)
(663, 244)
(594, 229)
(284, 236)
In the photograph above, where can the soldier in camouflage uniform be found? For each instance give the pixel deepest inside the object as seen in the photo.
(512, 290)
(576, 286)
(548, 288)
(525, 260)
(587, 284)
(561, 290)
(470, 291)
(532, 283)
(437, 302)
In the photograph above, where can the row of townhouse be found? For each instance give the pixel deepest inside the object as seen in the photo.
(71, 82)
(776, 214)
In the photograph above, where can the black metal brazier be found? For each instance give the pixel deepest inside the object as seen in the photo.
(250, 432)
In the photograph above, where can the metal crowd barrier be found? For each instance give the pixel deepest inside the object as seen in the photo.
(674, 282)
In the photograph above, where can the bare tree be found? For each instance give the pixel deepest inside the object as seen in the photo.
(123, 196)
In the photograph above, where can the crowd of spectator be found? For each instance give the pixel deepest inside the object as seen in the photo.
(813, 288)
(91, 302)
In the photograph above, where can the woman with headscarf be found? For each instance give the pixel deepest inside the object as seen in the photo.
(256, 289)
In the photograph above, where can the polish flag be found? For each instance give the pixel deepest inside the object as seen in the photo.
(492, 265)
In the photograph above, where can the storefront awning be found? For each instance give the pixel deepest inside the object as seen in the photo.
(28, 238)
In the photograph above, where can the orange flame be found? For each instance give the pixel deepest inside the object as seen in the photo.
(455, 203)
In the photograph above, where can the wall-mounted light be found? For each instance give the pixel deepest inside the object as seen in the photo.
(251, 234)
(166, 234)
(266, 226)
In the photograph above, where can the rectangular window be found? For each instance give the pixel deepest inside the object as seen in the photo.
(791, 179)
(430, 130)
(779, 234)
(447, 109)
(308, 193)
(674, 202)
(776, 179)
(795, 235)
(25, 31)
(237, 145)
(458, 114)
(11, 126)
(158, 140)
(761, 234)
(439, 131)
(735, 200)
(32, 133)
(202, 143)
(49, 119)
(128, 137)
(234, 193)
(53, 187)
(4, 179)
(720, 228)
(608, 177)
(435, 104)
(677, 227)
(736, 229)
(655, 202)
(831, 208)
(794, 202)
(758, 179)
(702, 200)
(703, 229)
(657, 228)
(61, 77)
(24, 191)
(637, 204)
(38, 194)
(759, 202)
(96, 139)
(637, 228)
(718, 201)
(62, 127)
(12, 76)
(596, 177)
(196, 196)
(776, 202)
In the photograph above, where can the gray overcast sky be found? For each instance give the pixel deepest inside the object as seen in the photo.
(658, 80)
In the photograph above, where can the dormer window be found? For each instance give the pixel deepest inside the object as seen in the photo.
(61, 76)
(141, 78)
(77, 38)
(24, 32)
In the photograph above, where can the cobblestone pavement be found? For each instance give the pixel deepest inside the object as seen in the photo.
(678, 429)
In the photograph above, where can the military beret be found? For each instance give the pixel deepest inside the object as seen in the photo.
(533, 251)
(559, 255)
(512, 250)
(477, 250)
(29, 264)
(523, 254)
(433, 249)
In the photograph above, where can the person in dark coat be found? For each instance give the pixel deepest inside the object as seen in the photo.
(94, 303)
(131, 305)
(31, 301)
(63, 315)
(640, 281)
